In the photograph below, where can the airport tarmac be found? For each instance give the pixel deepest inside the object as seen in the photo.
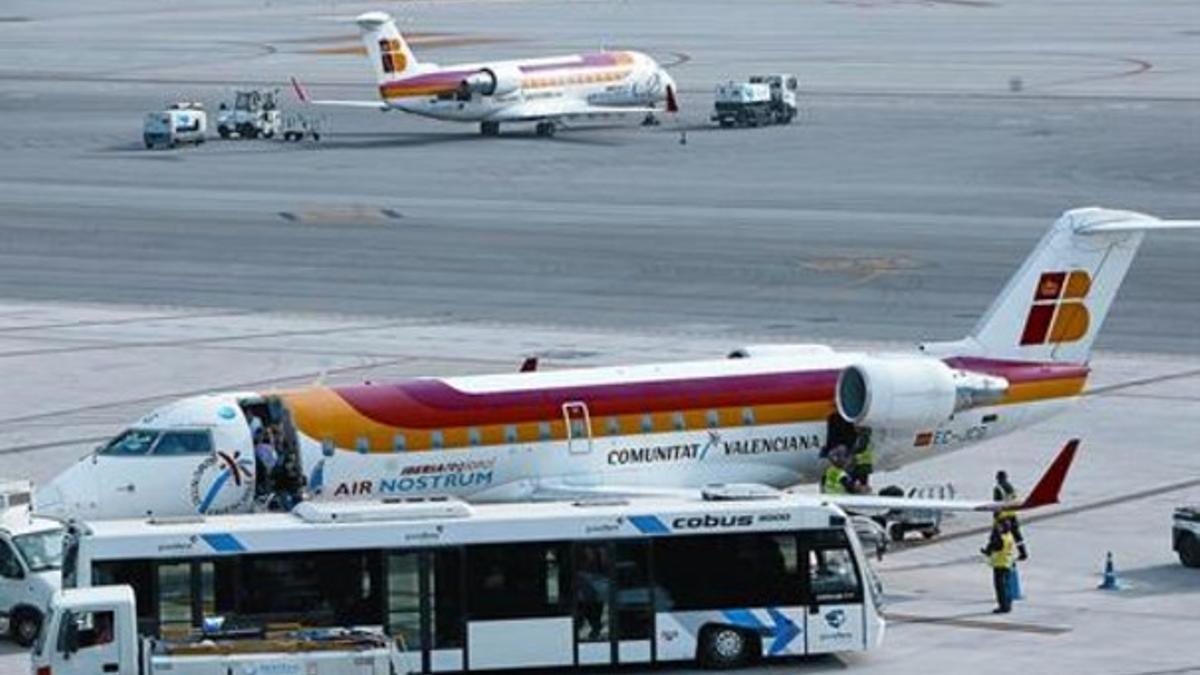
(913, 184)
(77, 373)
(938, 140)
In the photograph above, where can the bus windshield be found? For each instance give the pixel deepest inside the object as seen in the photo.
(42, 550)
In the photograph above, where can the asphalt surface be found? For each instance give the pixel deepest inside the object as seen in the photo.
(913, 184)
(938, 140)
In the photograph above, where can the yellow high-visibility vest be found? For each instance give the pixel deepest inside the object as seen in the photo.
(834, 483)
(1003, 558)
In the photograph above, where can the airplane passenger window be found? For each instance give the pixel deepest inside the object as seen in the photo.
(747, 415)
(647, 424)
(436, 440)
(131, 442)
(510, 434)
(713, 419)
(175, 443)
(399, 444)
(614, 426)
(473, 436)
(678, 421)
(544, 431)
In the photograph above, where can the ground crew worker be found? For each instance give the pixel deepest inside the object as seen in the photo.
(863, 462)
(999, 550)
(836, 481)
(1005, 492)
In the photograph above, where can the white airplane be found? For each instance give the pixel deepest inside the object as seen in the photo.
(762, 418)
(545, 91)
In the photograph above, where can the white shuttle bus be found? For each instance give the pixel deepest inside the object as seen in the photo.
(720, 577)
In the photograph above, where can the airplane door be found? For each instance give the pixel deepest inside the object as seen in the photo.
(579, 427)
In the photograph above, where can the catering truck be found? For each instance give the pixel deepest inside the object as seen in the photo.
(455, 587)
(30, 557)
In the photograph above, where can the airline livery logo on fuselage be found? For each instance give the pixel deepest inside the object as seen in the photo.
(1058, 314)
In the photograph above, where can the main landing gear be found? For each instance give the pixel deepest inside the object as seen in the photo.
(489, 128)
(545, 128)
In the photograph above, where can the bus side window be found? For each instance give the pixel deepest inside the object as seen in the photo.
(833, 576)
(516, 581)
(175, 443)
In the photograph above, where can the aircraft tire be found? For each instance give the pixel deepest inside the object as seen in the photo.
(489, 128)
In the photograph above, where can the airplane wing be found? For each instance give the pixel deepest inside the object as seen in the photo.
(302, 94)
(1045, 493)
(530, 111)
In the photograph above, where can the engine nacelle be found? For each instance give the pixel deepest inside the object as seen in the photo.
(911, 393)
(761, 351)
(491, 82)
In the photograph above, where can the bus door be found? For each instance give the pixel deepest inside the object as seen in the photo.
(424, 596)
(579, 427)
(835, 597)
(613, 603)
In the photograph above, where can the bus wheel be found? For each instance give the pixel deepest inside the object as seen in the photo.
(25, 626)
(723, 647)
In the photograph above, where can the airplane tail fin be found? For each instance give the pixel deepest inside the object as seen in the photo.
(1053, 307)
(385, 46)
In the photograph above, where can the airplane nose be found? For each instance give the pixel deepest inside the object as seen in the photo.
(48, 500)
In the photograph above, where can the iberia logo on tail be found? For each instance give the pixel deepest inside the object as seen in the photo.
(1058, 314)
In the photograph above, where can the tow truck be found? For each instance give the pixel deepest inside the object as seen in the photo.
(254, 114)
(763, 100)
(30, 562)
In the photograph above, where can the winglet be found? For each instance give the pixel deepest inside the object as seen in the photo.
(672, 104)
(1047, 489)
(300, 92)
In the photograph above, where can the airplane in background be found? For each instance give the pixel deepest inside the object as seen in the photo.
(545, 91)
(762, 417)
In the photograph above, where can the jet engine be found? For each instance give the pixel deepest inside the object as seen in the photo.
(910, 393)
(491, 82)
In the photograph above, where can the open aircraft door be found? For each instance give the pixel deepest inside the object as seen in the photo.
(579, 427)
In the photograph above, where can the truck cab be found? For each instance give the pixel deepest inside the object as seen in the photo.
(89, 630)
(30, 563)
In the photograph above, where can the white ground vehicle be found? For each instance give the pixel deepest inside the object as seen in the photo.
(487, 587)
(94, 630)
(180, 123)
(765, 99)
(30, 558)
(254, 114)
(1185, 535)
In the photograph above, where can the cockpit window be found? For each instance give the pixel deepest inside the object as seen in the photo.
(131, 442)
(140, 442)
(174, 443)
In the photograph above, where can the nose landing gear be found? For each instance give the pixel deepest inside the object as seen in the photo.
(546, 128)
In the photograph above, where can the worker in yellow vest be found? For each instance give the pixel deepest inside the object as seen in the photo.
(1000, 552)
(1005, 492)
(835, 480)
(863, 461)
